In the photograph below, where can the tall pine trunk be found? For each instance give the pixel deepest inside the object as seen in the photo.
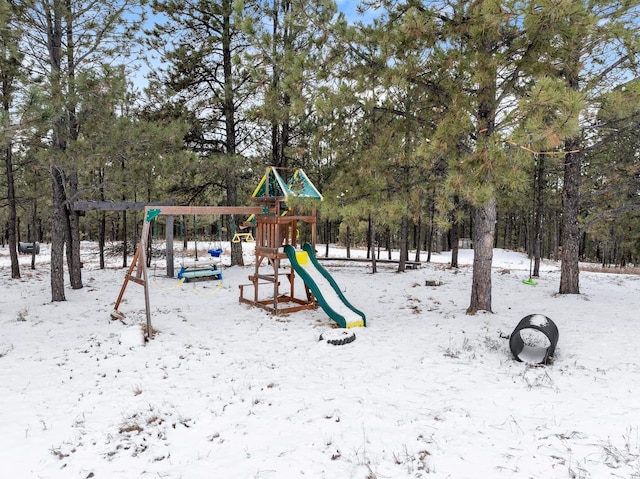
(569, 270)
(73, 217)
(454, 233)
(11, 224)
(418, 241)
(348, 241)
(538, 212)
(125, 234)
(58, 222)
(75, 265)
(230, 126)
(485, 215)
(9, 70)
(372, 243)
(58, 216)
(36, 232)
(484, 232)
(102, 222)
(327, 238)
(404, 243)
(432, 227)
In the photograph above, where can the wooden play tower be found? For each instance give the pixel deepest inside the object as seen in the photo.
(278, 226)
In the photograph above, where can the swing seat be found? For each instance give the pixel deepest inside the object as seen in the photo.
(211, 272)
(215, 253)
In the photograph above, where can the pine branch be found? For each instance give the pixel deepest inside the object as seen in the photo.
(609, 214)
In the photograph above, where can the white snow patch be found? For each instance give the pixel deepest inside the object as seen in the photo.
(538, 320)
(132, 336)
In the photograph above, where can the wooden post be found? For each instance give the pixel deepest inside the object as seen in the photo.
(169, 247)
(117, 314)
(142, 271)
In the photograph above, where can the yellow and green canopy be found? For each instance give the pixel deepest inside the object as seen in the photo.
(274, 185)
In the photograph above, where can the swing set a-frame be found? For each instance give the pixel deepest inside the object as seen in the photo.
(276, 225)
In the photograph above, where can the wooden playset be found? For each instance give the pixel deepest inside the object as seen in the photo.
(276, 224)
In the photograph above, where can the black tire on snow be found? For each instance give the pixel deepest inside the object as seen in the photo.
(338, 337)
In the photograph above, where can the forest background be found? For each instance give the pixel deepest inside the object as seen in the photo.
(424, 123)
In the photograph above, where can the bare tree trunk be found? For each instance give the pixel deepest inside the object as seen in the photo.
(237, 258)
(418, 241)
(102, 233)
(73, 252)
(6, 83)
(388, 240)
(59, 224)
(369, 242)
(484, 231)
(102, 223)
(455, 233)
(327, 238)
(372, 242)
(569, 270)
(124, 239)
(11, 225)
(432, 225)
(58, 234)
(276, 139)
(229, 107)
(404, 243)
(35, 237)
(348, 241)
(539, 211)
(75, 265)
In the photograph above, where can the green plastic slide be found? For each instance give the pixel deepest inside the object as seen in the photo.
(324, 287)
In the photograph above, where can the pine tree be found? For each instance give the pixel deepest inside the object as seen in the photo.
(124, 155)
(593, 49)
(67, 37)
(611, 176)
(10, 73)
(289, 46)
(381, 114)
(484, 53)
(552, 113)
(203, 45)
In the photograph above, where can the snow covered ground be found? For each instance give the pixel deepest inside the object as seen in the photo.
(228, 391)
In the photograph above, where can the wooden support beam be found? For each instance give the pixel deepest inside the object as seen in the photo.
(116, 205)
(206, 210)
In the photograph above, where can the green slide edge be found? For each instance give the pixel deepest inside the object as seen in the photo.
(311, 284)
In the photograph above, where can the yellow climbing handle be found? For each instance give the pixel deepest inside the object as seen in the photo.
(238, 237)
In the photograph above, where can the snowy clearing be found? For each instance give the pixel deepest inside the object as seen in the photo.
(228, 391)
